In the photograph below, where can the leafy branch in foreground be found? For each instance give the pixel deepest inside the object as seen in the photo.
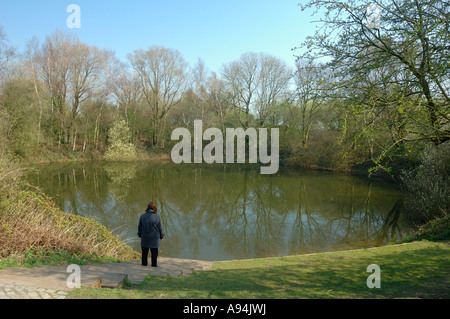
(395, 72)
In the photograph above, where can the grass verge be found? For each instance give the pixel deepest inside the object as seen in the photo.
(410, 270)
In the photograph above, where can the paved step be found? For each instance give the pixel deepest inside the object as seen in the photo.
(111, 275)
(112, 280)
(47, 277)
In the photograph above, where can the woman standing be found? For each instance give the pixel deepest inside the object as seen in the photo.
(150, 231)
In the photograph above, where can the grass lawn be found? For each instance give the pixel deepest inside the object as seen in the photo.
(412, 270)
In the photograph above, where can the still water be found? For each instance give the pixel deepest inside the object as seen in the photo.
(232, 212)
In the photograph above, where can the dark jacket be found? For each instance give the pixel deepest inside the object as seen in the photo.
(150, 229)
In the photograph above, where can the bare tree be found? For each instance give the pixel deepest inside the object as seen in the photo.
(71, 71)
(6, 52)
(199, 77)
(30, 53)
(87, 67)
(126, 88)
(200, 74)
(162, 74)
(256, 81)
(218, 97)
(274, 77)
(54, 65)
(308, 95)
(242, 78)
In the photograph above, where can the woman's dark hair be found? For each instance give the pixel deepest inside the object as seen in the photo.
(152, 206)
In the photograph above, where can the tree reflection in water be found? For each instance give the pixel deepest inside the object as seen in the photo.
(219, 213)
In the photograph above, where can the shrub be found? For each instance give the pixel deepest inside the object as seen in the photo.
(435, 229)
(10, 172)
(120, 148)
(428, 185)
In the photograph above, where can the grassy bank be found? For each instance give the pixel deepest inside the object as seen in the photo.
(34, 231)
(67, 156)
(411, 270)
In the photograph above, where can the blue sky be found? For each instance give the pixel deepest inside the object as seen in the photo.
(216, 31)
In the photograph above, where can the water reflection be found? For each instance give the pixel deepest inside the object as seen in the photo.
(230, 212)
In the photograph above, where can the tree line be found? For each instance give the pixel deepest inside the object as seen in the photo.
(65, 95)
(357, 93)
(374, 95)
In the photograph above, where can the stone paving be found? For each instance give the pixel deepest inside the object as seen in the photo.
(24, 292)
(50, 282)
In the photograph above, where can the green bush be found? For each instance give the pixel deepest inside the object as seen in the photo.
(434, 230)
(120, 148)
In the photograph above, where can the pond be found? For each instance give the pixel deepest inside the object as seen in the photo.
(230, 212)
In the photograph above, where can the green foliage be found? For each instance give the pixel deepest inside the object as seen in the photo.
(21, 111)
(435, 230)
(10, 171)
(42, 256)
(120, 148)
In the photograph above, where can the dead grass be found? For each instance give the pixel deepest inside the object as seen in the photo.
(29, 220)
